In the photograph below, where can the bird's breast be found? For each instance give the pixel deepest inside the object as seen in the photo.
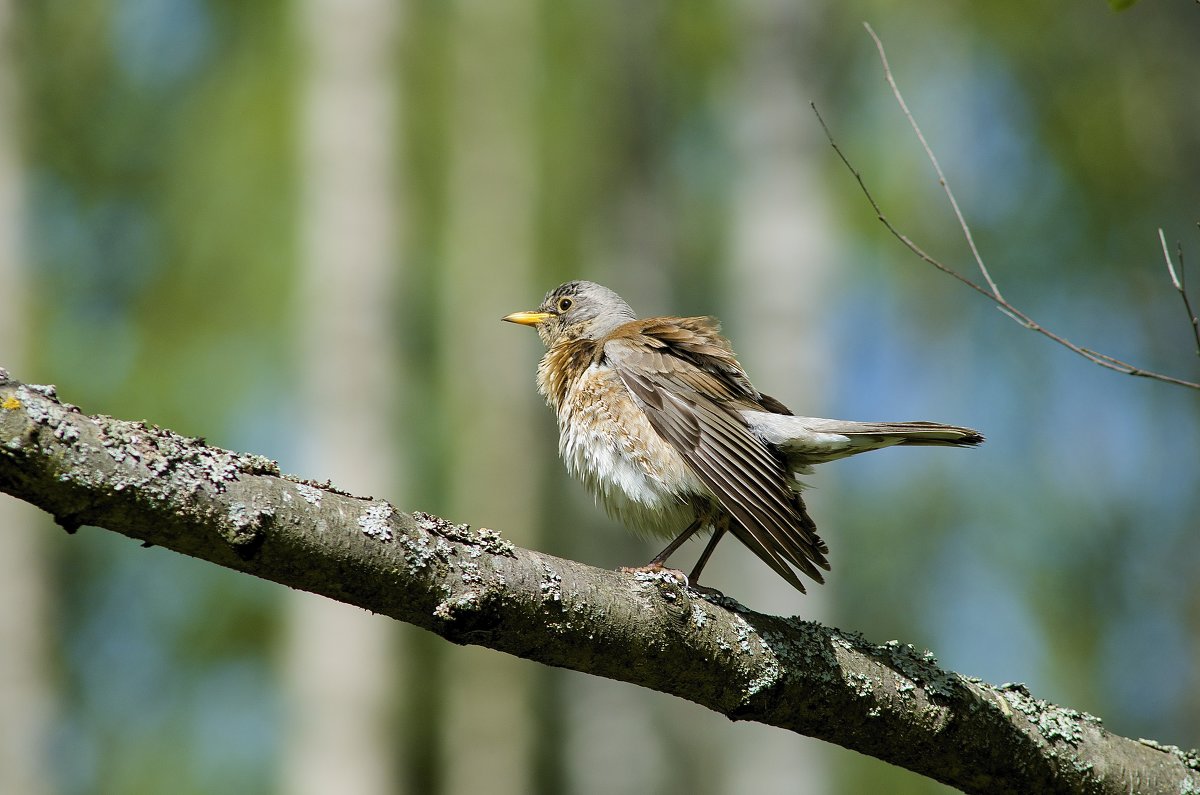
(607, 443)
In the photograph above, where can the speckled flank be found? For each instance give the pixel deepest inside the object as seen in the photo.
(635, 475)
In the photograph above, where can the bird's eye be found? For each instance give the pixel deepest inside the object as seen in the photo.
(564, 304)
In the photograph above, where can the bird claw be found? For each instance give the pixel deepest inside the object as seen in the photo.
(658, 570)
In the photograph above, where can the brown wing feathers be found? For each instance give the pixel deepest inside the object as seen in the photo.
(768, 522)
(749, 526)
(686, 379)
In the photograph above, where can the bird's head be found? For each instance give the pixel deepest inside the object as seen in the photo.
(576, 310)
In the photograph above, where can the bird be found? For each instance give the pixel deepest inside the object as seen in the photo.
(660, 422)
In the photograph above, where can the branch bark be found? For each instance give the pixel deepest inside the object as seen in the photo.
(473, 587)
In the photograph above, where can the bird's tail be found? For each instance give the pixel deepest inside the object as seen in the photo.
(813, 440)
(932, 433)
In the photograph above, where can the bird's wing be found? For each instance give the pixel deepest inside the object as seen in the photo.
(690, 386)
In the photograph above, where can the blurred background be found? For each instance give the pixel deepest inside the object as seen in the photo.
(292, 228)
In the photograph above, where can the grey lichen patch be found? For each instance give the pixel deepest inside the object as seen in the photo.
(484, 540)
(861, 685)
(439, 526)
(172, 463)
(1053, 722)
(744, 635)
(254, 464)
(38, 402)
(660, 577)
(491, 541)
(323, 485)
(66, 431)
(468, 571)
(376, 522)
(550, 584)
(1082, 766)
(309, 494)
(769, 674)
(45, 390)
(853, 637)
(760, 660)
(803, 646)
(449, 609)
(668, 582)
(699, 616)
(1190, 757)
(50, 414)
(422, 550)
(64, 440)
(246, 526)
(919, 667)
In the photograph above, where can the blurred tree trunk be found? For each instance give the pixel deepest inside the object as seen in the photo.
(341, 664)
(781, 257)
(489, 699)
(26, 688)
(622, 740)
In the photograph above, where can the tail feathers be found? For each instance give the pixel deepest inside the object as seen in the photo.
(929, 433)
(812, 440)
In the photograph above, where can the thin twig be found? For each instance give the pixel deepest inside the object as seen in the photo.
(1178, 282)
(962, 222)
(1001, 303)
(991, 292)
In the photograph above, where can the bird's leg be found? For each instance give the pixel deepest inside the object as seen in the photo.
(656, 564)
(718, 532)
(688, 532)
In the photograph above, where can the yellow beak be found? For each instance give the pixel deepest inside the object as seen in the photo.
(526, 318)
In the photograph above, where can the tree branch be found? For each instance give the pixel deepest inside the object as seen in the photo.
(992, 291)
(472, 587)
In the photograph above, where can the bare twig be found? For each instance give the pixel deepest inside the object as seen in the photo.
(962, 222)
(1178, 282)
(991, 291)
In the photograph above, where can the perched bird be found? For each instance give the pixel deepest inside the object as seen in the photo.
(662, 425)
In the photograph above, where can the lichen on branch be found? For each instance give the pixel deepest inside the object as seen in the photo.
(471, 586)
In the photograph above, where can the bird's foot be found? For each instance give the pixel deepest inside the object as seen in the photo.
(656, 570)
(704, 590)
